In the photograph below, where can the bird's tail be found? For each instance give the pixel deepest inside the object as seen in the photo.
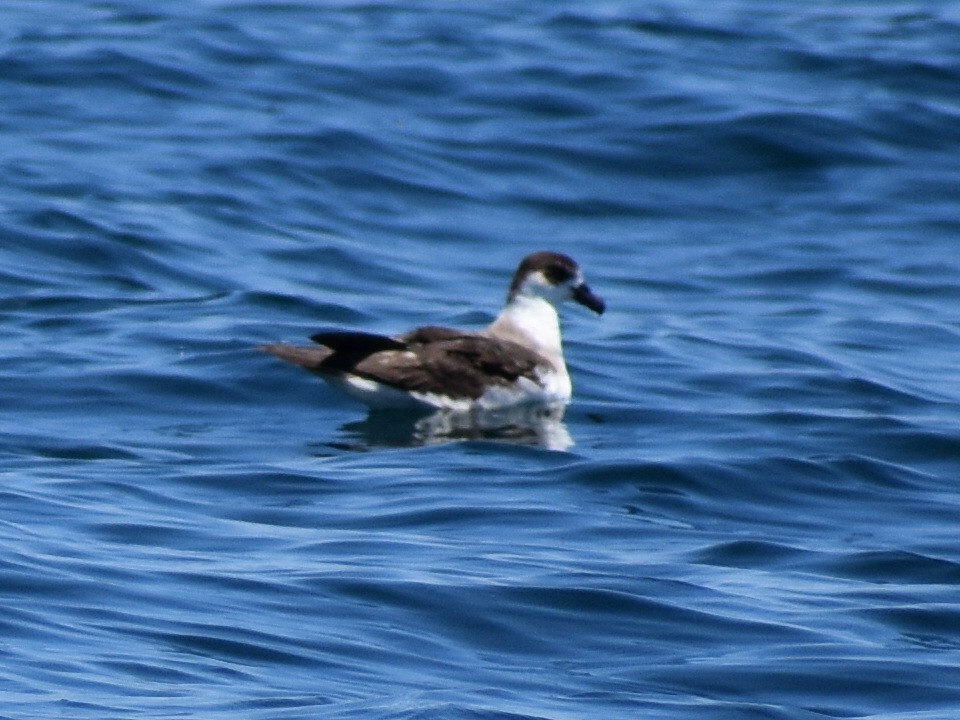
(309, 358)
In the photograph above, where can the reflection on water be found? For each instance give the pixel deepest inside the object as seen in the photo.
(534, 426)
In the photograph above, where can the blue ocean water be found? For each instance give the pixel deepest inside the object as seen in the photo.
(755, 513)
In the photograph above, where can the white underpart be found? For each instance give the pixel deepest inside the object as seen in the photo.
(524, 391)
(530, 319)
(373, 393)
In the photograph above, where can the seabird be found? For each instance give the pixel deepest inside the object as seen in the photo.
(517, 360)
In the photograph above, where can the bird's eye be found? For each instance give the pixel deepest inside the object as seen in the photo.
(558, 274)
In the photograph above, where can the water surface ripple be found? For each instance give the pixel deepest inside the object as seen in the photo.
(750, 508)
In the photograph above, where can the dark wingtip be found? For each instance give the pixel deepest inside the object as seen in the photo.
(357, 342)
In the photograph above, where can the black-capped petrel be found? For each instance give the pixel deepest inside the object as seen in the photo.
(517, 360)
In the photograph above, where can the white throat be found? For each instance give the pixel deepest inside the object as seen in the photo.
(533, 322)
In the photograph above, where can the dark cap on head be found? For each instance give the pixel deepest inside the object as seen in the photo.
(557, 268)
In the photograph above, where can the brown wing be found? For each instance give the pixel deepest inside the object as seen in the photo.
(461, 366)
(430, 334)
